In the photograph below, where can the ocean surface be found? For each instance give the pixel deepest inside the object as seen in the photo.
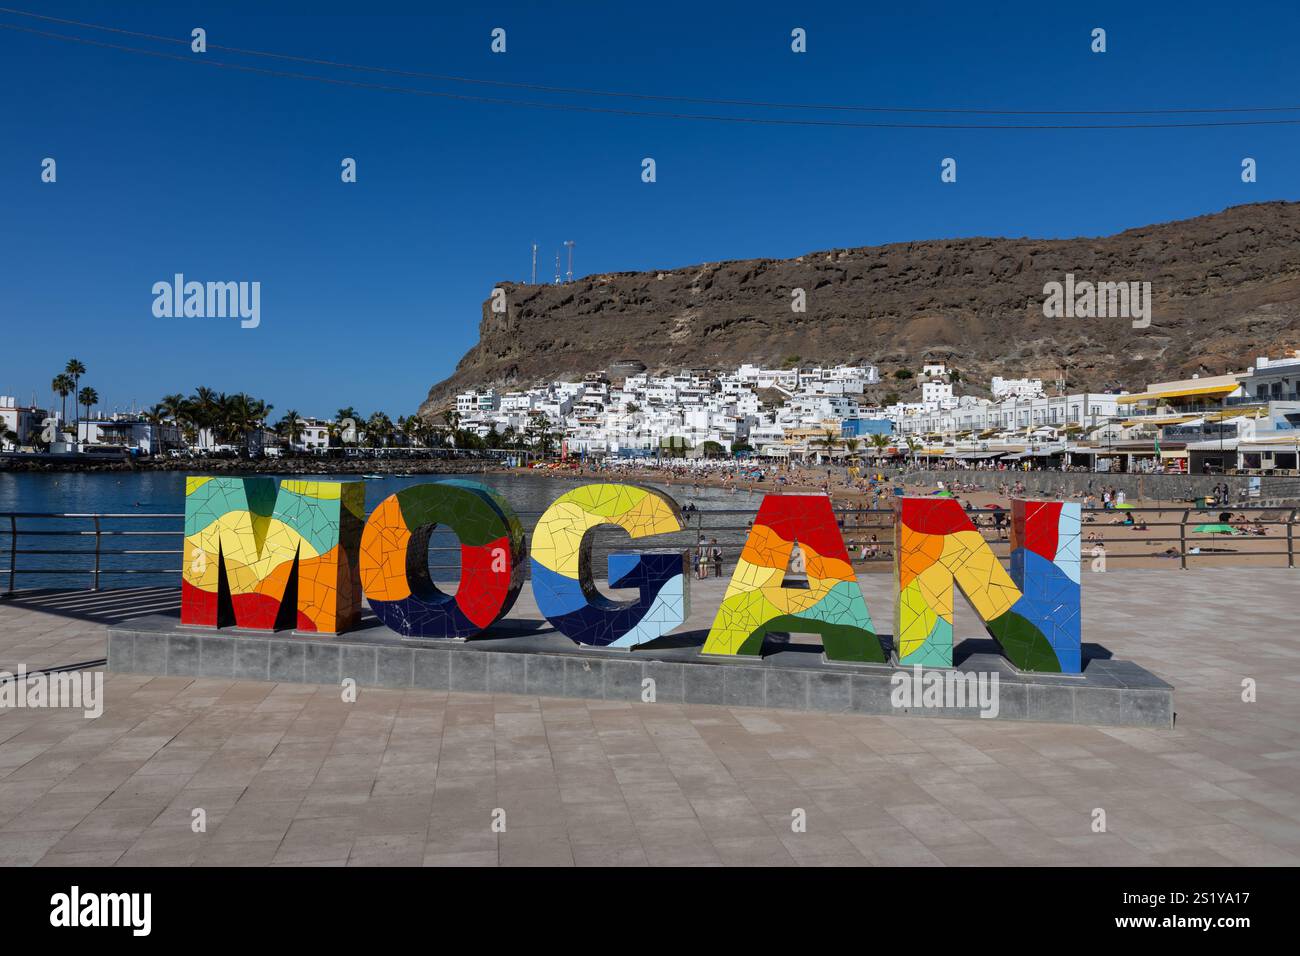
(154, 540)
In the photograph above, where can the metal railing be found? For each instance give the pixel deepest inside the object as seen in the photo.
(1101, 527)
(1263, 399)
(92, 529)
(729, 527)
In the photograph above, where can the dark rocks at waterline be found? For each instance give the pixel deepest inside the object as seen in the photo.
(271, 466)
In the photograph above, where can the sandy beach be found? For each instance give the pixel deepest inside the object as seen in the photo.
(1154, 538)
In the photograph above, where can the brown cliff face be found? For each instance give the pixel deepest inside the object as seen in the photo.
(1224, 287)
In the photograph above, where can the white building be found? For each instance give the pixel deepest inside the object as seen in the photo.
(314, 435)
(935, 393)
(1019, 387)
(23, 420)
(517, 402)
(1087, 410)
(759, 377)
(131, 434)
(477, 402)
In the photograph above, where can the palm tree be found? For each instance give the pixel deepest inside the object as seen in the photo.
(243, 416)
(174, 408)
(8, 436)
(879, 443)
(452, 418)
(63, 386)
(414, 428)
(828, 441)
(423, 432)
(75, 369)
(203, 408)
(344, 414)
(290, 427)
(379, 428)
(540, 434)
(156, 416)
(88, 397)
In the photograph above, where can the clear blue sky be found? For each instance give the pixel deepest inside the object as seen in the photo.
(371, 292)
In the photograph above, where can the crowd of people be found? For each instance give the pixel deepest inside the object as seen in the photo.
(862, 499)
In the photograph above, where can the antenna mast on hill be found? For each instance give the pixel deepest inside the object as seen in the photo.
(569, 274)
(557, 266)
(534, 263)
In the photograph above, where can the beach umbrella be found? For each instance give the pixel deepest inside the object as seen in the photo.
(1215, 529)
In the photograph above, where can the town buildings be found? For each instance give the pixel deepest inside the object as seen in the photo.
(21, 422)
(1245, 422)
(814, 413)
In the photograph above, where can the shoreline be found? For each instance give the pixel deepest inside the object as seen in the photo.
(1162, 526)
(834, 481)
(297, 465)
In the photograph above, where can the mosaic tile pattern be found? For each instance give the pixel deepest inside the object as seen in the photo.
(756, 601)
(1033, 612)
(938, 546)
(1043, 630)
(266, 557)
(395, 565)
(561, 566)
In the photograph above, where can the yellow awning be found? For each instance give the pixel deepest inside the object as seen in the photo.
(1225, 415)
(1160, 420)
(1177, 393)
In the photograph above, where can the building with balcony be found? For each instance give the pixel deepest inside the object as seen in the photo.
(23, 420)
(1272, 380)
(1166, 402)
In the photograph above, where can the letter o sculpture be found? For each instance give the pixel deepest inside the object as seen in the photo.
(395, 565)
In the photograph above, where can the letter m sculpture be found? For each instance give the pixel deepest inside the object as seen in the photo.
(269, 558)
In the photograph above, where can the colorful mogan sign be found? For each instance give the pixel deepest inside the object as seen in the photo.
(300, 555)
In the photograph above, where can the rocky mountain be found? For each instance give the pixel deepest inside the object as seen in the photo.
(1223, 289)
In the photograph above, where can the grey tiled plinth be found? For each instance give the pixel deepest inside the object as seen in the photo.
(549, 665)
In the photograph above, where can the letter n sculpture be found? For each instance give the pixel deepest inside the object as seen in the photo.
(1033, 612)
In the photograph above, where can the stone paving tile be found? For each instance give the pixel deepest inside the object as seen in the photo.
(291, 775)
(389, 849)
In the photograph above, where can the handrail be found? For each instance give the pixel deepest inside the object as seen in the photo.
(878, 520)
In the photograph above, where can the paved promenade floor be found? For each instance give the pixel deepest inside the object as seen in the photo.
(293, 775)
